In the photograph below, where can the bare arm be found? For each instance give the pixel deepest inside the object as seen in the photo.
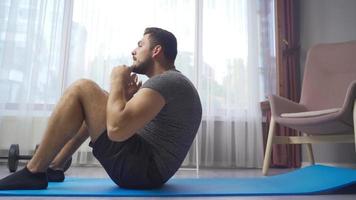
(124, 117)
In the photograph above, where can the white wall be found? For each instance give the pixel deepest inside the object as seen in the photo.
(328, 21)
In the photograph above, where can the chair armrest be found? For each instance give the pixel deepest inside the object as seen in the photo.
(281, 105)
(348, 105)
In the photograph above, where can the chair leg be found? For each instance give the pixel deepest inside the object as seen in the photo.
(310, 153)
(354, 118)
(267, 158)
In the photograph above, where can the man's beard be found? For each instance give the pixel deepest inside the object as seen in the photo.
(142, 67)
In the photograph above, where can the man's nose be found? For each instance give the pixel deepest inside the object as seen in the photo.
(133, 52)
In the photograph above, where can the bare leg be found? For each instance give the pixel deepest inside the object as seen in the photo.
(82, 101)
(72, 145)
(70, 148)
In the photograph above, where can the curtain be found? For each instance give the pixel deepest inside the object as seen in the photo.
(30, 68)
(228, 82)
(288, 81)
(220, 48)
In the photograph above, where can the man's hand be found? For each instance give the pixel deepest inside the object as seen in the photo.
(121, 76)
(133, 86)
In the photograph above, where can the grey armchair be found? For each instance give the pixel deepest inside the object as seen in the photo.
(327, 108)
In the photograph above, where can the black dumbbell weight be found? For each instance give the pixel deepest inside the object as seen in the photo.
(14, 157)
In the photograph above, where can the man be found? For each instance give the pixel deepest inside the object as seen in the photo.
(140, 135)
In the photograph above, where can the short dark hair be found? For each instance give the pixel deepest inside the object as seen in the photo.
(164, 38)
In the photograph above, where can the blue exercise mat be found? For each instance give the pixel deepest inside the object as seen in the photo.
(315, 179)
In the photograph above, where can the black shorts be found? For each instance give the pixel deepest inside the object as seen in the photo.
(129, 163)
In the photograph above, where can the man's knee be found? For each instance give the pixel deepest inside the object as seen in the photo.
(84, 86)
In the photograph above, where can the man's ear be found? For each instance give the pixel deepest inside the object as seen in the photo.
(156, 51)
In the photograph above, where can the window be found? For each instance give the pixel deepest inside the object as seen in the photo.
(30, 44)
(221, 45)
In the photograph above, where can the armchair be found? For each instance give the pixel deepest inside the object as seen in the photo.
(327, 108)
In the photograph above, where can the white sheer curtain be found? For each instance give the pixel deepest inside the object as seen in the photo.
(219, 43)
(30, 68)
(229, 82)
(230, 97)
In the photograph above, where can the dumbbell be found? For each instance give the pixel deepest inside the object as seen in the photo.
(14, 157)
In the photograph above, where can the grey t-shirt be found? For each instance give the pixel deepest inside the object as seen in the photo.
(172, 131)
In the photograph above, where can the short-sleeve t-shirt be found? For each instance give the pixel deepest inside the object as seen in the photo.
(173, 129)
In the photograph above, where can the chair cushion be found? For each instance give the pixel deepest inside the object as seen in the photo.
(310, 113)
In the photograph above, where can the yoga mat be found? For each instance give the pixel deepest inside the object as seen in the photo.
(315, 179)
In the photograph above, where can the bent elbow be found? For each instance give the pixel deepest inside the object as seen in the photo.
(114, 134)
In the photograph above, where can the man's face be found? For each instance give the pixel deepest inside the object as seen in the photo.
(142, 56)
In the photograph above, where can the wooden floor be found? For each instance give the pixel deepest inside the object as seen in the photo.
(99, 172)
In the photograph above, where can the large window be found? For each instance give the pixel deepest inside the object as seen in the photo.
(45, 47)
(105, 32)
(226, 47)
(30, 49)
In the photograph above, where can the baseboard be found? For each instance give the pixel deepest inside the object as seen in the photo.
(333, 164)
